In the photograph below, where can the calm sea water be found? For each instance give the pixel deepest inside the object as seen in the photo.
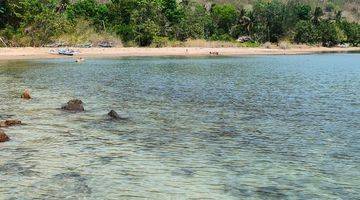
(267, 127)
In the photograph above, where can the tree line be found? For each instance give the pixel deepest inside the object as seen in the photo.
(145, 22)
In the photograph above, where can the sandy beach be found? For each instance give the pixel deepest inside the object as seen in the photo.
(38, 53)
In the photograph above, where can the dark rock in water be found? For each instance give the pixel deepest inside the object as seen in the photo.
(10, 122)
(14, 168)
(183, 172)
(4, 116)
(113, 114)
(26, 94)
(74, 105)
(78, 182)
(3, 136)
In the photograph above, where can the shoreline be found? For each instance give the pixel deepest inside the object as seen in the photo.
(19, 53)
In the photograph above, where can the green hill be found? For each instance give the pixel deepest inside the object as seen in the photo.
(160, 23)
(351, 8)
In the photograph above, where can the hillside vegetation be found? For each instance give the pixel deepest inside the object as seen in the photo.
(350, 8)
(160, 23)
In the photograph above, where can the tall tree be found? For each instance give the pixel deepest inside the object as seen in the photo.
(224, 16)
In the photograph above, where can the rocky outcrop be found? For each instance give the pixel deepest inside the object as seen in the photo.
(74, 105)
(10, 122)
(3, 136)
(26, 94)
(114, 115)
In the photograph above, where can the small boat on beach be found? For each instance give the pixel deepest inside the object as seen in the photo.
(66, 52)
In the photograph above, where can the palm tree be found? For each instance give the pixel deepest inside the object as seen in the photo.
(317, 15)
(245, 21)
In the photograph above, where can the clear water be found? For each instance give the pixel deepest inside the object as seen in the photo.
(268, 127)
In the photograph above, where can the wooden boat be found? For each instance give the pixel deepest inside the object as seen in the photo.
(66, 52)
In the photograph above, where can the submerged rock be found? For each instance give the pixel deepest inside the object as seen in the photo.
(3, 136)
(183, 172)
(26, 94)
(74, 105)
(113, 114)
(10, 122)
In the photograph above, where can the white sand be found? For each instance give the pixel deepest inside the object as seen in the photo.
(36, 53)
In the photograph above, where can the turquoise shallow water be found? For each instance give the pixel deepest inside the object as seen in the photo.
(267, 127)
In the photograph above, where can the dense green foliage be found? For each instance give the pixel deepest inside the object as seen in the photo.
(149, 22)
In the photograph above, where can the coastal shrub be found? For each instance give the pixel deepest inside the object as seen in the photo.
(305, 32)
(284, 45)
(193, 24)
(10, 37)
(318, 13)
(209, 43)
(224, 17)
(352, 32)
(171, 10)
(223, 37)
(330, 7)
(146, 32)
(331, 34)
(82, 33)
(150, 22)
(90, 10)
(160, 42)
(126, 32)
(4, 14)
(303, 11)
(249, 44)
(269, 20)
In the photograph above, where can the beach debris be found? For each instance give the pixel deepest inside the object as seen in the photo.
(106, 44)
(78, 60)
(10, 122)
(346, 45)
(3, 136)
(74, 105)
(328, 44)
(53, 51)
(113, 114)
(26, 94)
(216, 53)
(2, 40)
(244, 39)
(86, 45)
